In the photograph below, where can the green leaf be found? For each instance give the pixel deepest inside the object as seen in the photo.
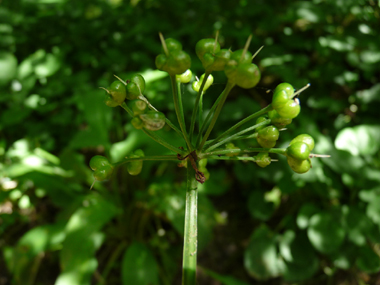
(345, 257)
(77, 257)
(304, 215)
(326, 232)
(368, 261)
(369, 95)
(260, 257)
(139, 267)
(48, 67)
(373, 210)
(359, 140)
(301, 262)
(259, 207)
(24, 260)
(358, 226)
(8, 67)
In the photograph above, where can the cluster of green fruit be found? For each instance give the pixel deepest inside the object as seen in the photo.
(240, 71)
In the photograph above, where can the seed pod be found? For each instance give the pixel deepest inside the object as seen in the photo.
(135, 167)
(138, 107)
(305, 138)
(263, 159)
(299, 166)
(153, 120)
(298, 150)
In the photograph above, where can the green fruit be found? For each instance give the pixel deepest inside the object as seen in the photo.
(135, 87)
(284, 103)
(220, 60)
(248, 75)
(98, 161)
(117, 91)
(299, 166)
(102, 168)
(270, 133)
(290, 109)
(260, 120)
(268, 136)
(103, 173)
(263, 159)
(172, 45)
(305, 138)
(206, 46)
(153, 120)
(135, 167)
(176, 61)
(241, 71)
(110, 102)
(298, 150)
(277, 120)
(236, 56)
(138, 107)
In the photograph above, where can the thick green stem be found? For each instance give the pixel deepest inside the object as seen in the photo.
(197, 100)
(233, 128)
(225, 93)
(189, 261)
(216, 144)
(179, 110)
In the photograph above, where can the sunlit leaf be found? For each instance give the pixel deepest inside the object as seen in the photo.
(359, 140)
(260, 258)
(326, 232)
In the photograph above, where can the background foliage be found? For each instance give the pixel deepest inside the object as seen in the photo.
(256, 226)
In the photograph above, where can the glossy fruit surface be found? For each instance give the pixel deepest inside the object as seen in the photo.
(263, 159)
(277, 120)
(98, 161)
(290, 109)
(268, 136)
(248, 75)
(135, 87)
(176, 61)
(269, 133)
(117, 91)
(284, 103)
(299, 166)
(135, 167)
(304, 138)
(102, 168)
(298, 150)
(239, 70)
